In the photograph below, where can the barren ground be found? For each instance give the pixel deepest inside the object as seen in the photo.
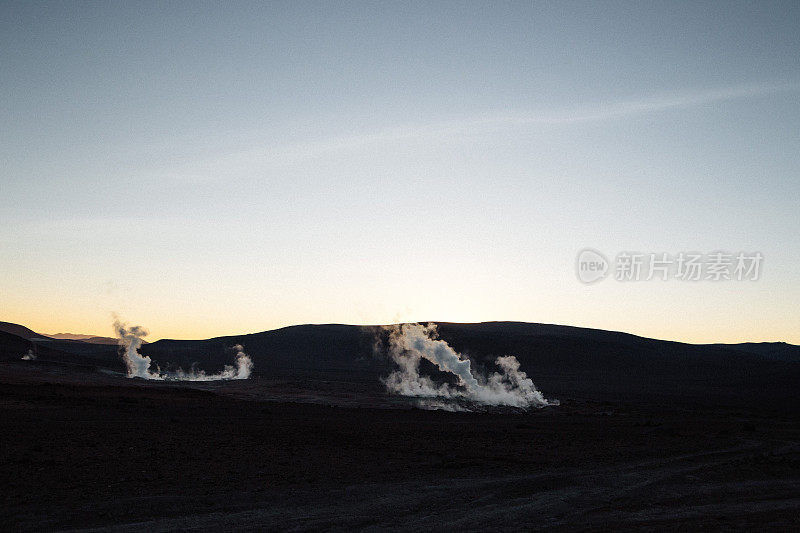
(124, 455)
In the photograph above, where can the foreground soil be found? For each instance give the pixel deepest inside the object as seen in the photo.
(113, 454)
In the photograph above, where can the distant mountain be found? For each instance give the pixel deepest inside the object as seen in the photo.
(93, 339)
(105, 340)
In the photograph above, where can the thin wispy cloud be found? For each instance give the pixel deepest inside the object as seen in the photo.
(653, 104)
(256, 161)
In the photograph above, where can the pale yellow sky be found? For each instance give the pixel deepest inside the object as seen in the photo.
(698, 313)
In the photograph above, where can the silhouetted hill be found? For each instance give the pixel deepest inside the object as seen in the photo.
(93, 351)
(318, 350)
(61, 352)
(562, 360)
(779, 351)
(19, 331)
(13, 347)
(607, 365)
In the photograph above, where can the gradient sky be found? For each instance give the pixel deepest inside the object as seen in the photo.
(208, 169)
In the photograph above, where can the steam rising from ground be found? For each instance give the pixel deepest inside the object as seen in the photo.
(241, 371)
(130, 340)
(30, 356)
(410, 343)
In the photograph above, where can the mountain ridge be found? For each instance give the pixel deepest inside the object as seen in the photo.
(563, 361)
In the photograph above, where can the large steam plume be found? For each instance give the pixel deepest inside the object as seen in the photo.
(410, 343)
(130, 340)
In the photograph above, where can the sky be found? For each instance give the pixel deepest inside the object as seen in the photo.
(210, 169)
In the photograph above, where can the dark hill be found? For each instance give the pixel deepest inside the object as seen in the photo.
(564, 361)
(779, 351)
(47, 350)
(611, 365)
(320, 351)
(20, 331)
(13, 347)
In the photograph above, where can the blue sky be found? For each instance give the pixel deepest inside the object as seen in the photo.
(209, 169)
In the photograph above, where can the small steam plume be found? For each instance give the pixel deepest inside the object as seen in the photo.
(241, 371)
(130, 340)
(410, 343)
(30, 356)
(244, 365)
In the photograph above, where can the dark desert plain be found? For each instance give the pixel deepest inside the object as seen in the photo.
(649, 435)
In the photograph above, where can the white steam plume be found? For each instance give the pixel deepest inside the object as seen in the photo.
(410, 343)
(130, 340)
(30, 356)
(241, 371)
(244, 365)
